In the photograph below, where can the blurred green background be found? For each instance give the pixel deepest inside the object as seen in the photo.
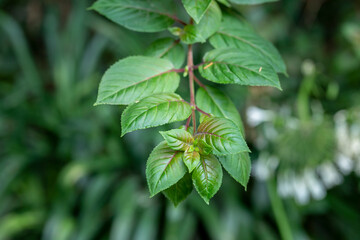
(65, 173)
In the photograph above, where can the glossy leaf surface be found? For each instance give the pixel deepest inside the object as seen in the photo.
(134, 78)
(207, 177)
(164, 168)
(222, 135)
(137, 15)
(215, 102)
(231, 65)
(191, 159)
(178, 139)
(235, 32)
(238, 166)
(154, 111)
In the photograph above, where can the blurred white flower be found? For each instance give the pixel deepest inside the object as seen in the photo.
(256, 116)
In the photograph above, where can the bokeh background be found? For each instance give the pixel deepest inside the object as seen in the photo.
(65, 173)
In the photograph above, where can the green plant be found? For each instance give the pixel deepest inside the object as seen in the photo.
(147, 84)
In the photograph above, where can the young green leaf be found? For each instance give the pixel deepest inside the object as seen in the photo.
(191, 159)
(178, 139)
(204, 148)
(164, 168)
(154, 111)
(196, 8)
(180, 190)
(134, 78)
(207, 177)
(208, 25)
(238, 166)
(167, 48)
(248, 2)
(215, 102)
(231, 65)
(222, 135)
(236, 33)
(137, 15)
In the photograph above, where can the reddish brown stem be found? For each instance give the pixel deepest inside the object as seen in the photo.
(190, 64)
(203, 112)
(188, 122)
(199, 83)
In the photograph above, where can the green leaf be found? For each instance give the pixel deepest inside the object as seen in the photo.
(137, 15)
(224, 2)
(191, 159)
(204, 148)
(134, 78)
(178, 139)
(180, 190)
(231, 65)
(196, 8)
(208, 25)
(237, 33)
(155, 110)
(238, 166)
(207, 177)
(164, 168)
(250, 2)
(167, 48)
(222, 135)
(215, 102)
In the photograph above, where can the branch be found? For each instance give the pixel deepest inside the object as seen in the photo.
(203, 112)
(190, 64)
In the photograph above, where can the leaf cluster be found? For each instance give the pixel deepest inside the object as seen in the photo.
(189, 156)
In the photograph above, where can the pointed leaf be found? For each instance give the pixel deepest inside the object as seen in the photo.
(180, 190)
(207, 177)
(250, 2)
(191, 160)
(208, 25)
(134, 78)
(231, 65)
(154, 111)
(238, 166)
(178, 139)
(164, 168)
(222, 135)
(167, 48)
(215, 102)
(196, 8)
(237, 33)
(137, 15)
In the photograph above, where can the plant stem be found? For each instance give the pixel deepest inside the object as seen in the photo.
(203, 112)
(278, 208)
(190, 64)
(199, 83)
